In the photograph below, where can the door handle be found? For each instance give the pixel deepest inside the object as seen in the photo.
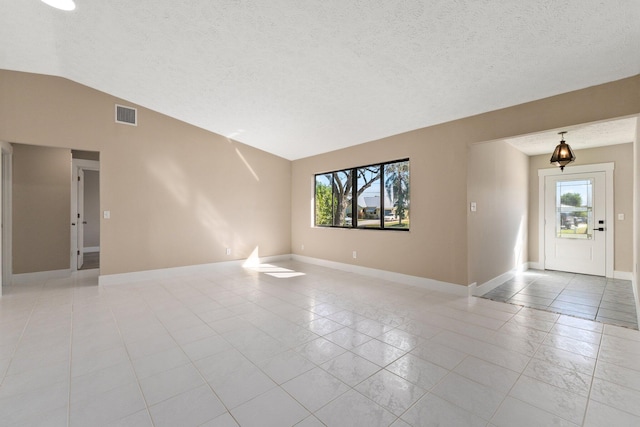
(84, 222)
(73, 223)
(599, 229)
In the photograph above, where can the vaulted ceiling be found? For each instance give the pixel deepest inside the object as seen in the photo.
(298, 78)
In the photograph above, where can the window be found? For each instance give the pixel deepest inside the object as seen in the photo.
(574, 209)
(380, 200)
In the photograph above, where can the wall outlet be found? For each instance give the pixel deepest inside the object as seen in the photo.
(355, 255)
(228, 252)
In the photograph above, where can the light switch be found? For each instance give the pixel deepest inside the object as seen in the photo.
(620, 217)
(106, 214)
(473, 206)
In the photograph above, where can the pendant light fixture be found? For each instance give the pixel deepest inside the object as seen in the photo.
(563, 154)
(66, 5)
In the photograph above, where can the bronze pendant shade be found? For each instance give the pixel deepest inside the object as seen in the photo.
(563, 154)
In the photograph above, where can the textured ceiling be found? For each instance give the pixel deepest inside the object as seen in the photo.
(297, 78)
(578, 137)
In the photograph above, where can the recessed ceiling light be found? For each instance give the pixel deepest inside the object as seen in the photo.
(61, 4)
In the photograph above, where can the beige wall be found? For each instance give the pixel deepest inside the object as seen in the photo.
(41, 208)
(622, 156)
(178, 195)
(498, 182)
(437, 247)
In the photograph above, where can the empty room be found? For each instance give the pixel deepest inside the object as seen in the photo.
(242, 213)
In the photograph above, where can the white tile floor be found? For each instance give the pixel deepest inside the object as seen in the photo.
(240, 347)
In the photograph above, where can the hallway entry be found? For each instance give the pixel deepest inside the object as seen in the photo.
(85, 214)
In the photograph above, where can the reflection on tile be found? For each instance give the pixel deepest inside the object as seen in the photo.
(348, 338)
(350, 368)
(418, 371)
(379, 352)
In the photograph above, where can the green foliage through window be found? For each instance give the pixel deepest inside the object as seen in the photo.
(374, 196)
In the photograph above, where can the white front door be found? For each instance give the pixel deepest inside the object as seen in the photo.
(576, 223)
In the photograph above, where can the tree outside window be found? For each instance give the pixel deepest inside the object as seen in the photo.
(374, 196)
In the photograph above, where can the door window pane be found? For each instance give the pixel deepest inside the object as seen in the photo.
(574, 209)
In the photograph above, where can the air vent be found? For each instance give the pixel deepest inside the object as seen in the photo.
(126, 115)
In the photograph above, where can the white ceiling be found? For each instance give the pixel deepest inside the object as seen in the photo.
(297, 78)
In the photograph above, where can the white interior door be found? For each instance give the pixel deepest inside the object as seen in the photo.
(81, 220)
(576, 223)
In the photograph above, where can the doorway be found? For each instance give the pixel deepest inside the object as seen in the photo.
(576, 219)
(5, 214)
(85, 214)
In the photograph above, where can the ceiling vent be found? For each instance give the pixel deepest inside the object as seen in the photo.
(126, 115)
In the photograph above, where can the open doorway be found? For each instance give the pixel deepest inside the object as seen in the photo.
(85, 211)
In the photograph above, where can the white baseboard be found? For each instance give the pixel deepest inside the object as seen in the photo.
(17, 279)
(87, 249)
(623, 275)
(497, 281)
(420, 282)
(165, 273)
(636, 296)
(535, 266)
